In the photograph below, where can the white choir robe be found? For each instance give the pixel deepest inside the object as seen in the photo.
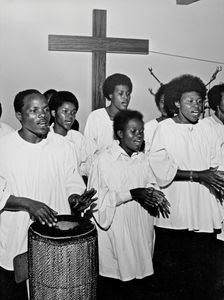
(186, 147)
(45, 172)
(149, 131)
(82, 149)
(125, 229)
(98, 133)
(5, 129)
(214, 122)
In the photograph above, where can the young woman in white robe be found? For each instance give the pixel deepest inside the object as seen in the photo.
(63, 107)
(117, 89)
(185, 242)
(127, 192)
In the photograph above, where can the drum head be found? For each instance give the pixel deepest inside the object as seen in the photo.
(67, 226)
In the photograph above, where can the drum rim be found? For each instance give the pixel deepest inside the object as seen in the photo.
(68, 235)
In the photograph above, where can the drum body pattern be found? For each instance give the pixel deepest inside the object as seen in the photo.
(63, 264)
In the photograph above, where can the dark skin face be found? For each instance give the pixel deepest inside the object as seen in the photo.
(64, 117)
(132, 136)
(34, 118)
(189, 108)
(120, 99)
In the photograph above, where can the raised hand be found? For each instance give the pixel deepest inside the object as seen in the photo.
(79, 203)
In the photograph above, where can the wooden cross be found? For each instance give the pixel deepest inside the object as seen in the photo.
(99, 45)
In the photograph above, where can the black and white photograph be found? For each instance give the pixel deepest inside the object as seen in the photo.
(111, 150)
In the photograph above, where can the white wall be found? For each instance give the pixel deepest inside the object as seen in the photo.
(194, 30)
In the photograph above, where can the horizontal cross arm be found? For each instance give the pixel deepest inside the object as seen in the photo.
(92, 44)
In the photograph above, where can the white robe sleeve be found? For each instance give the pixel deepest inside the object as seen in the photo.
(108, 197)
(88, 154)
(74, 182)
(163, 165)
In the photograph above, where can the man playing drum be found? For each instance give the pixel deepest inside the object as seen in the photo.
(41, 181)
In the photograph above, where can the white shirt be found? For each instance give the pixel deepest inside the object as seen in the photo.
(125, 229)
(44, 172)
(186, 147)
(5, 129)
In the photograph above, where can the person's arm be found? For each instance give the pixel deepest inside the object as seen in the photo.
(37, 210)
(210, 177)
(191, 175)
(152, 200)
(108, 196)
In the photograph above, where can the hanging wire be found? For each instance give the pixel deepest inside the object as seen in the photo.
(188, 57)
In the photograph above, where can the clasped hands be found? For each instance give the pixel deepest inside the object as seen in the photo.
(215, 179)
(152, 200)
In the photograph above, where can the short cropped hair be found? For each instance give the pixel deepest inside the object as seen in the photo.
(180, 85)
(215, 95)
(49, 93)
(161, 92)
(112, 81)
(19, 98)
(61, 97)
(122, 118)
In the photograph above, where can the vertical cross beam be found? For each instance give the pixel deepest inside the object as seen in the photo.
(98, 59)
(99, 44)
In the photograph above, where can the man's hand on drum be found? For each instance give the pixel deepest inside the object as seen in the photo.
(42, 213)
(152, 200)
(79, 203)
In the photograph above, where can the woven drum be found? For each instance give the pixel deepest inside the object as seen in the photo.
(63, 260)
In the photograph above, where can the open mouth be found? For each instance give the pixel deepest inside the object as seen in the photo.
(195, 113)
(43, 123)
